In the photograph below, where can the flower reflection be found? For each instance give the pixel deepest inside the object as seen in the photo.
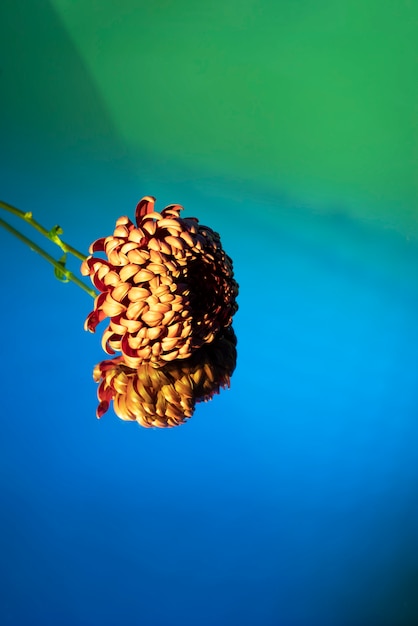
(168, 289)
(167, 286)
(166, 397)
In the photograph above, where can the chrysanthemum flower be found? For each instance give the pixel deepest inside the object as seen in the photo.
(166, 285)
(166, 397)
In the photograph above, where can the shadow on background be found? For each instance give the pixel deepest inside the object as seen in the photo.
(50, 109)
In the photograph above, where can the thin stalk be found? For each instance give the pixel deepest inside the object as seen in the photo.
(52, 235)
(33, 246)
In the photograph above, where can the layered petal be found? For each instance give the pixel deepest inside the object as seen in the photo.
(167, 396)
(166, 285)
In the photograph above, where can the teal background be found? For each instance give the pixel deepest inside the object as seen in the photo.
(289, 127)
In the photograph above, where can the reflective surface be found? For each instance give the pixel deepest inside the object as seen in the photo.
(290, 498)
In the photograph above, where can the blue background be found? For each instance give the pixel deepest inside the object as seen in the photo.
(290, 499)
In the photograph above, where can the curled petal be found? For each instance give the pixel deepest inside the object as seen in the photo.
(93, 319)
(166, 284)
(165, 397)
(175, 242)
(111, 307)
(152, 318)
(138, 293)
(144, 275)
(97, 246)
(120, 291)
(144, 206)
(167, 222)
(107, 336)
(172, 210)
(102, 408)
(128, 271)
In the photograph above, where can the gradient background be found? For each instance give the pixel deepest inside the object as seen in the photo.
(291, 128)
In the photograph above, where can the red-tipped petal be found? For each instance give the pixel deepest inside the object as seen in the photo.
(92, 261)
(144, 206)
(97, 246)
(93, 319)
(98, 283)
(126, 348)
(172, 210)
(102, 409)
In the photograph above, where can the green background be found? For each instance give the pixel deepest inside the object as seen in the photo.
(312, 100)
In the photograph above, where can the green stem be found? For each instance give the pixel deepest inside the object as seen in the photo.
(52, 235)
(69, 275)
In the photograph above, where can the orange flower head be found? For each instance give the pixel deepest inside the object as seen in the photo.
(167, 286)
(166, 397)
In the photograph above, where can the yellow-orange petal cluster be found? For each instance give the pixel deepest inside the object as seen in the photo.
(166, 397)
(166, 284)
